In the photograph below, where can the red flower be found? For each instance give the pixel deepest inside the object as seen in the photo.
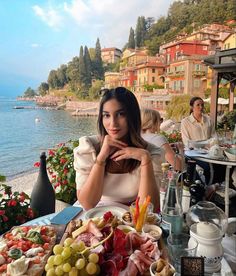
(11, 202)
(51, 152)
(37, 164)
(65, 171)
(30, 213)
(2, 212)
(5, 218)
(64, 182)
(61, 145)
(22, 197)
(63, 161)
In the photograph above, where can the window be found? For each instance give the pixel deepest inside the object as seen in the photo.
(204, 48)
(197, 67)
(196, 83)
(153, 70)
(153, 79)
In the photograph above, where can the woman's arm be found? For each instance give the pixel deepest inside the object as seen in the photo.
(184, 132)
(170, 157)
(147, 184)
(91, 192)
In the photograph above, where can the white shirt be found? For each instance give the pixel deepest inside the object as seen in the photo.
(191, 129)
(156, 139)
(121, 188)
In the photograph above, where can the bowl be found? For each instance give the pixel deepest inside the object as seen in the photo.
(161, 266)
(231, 154)
(126, 228)
(153, 230)
(127, 219)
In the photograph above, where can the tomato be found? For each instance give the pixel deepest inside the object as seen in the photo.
(25, 247)
(9, 236)
(9, 260)
(46, 246)
(3, 267)
(46, 238)
(36, 261)
(41, 254)
(10, 243)
(43, 230)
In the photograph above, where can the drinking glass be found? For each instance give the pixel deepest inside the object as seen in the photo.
(148, 211)
(179, 246)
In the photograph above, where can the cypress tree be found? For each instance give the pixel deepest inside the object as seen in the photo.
(82, 69)
(140, 31)
(131, 42)
(98, 71)
(88, 65)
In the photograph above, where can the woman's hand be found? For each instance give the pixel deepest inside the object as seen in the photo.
(139, 154)
(109, 146)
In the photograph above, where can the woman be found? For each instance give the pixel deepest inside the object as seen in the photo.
(118, 165)
(151, 121)
(197, 126)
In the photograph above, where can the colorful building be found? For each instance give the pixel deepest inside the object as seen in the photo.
(112, 79)
(110, 55)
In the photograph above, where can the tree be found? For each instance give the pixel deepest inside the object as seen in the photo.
(95, 89)
(43, 88)
(97, 66)
(53, 80)
(82, 69)
(178, 107)
(61, 75)
(140, 31)
(88, 65)
(131, 42)
(29, 93)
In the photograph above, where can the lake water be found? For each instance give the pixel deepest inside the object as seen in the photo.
(22, 139)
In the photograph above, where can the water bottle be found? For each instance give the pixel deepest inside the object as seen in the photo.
(172, 213)
(43, 194)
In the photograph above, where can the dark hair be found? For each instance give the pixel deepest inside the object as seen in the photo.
(192, 101)
(131, 107)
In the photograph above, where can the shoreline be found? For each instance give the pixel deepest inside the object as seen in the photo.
(23, 182)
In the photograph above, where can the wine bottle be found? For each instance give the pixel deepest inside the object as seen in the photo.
(43, 194)
(164, 183)
(188, 181)
(172, 213)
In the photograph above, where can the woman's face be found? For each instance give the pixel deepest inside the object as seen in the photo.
(114, 119)
(198, 106)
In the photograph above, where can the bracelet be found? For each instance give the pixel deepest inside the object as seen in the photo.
(100, 163)
(147, 163)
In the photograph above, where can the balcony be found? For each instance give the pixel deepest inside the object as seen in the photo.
(199, 74)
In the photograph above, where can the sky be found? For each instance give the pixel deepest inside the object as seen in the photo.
(37, 36)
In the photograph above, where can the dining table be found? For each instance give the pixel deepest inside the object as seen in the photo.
(203, 155)
(47, 220)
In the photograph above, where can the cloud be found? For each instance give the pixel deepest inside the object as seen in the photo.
(49, 16)
(35, 45)
(110, 20)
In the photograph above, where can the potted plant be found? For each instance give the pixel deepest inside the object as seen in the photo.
(61, 171)
(14, 207)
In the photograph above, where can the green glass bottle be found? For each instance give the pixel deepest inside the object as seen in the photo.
(43, 194)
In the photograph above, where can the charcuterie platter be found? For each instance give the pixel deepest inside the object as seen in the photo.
(99, 244)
